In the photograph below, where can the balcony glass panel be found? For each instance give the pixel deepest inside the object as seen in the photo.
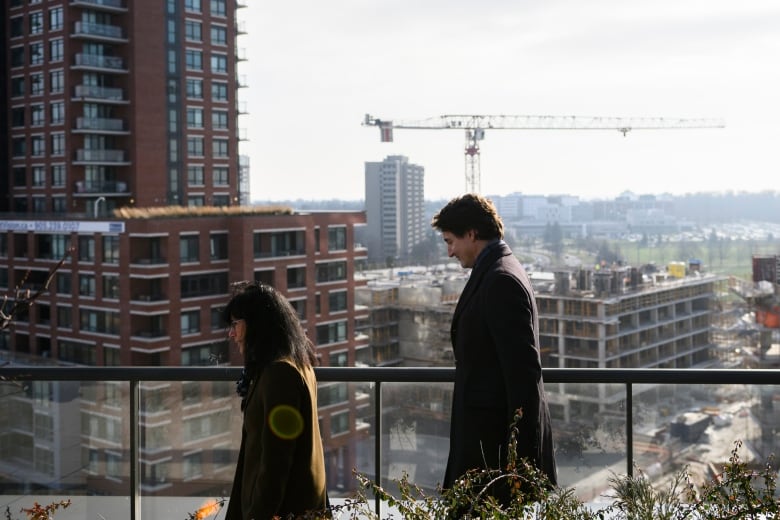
(74, 438)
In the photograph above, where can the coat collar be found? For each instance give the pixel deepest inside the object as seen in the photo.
(487, 258)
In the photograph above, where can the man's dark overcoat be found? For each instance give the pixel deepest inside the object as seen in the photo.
(498, 369)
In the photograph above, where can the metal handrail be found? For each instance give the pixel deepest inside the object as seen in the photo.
(378, 376)
(396, 374)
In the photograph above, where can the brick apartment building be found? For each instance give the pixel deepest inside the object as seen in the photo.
(112, 110)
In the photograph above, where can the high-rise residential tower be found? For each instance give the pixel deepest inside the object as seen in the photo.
(395, 209)
(114, 103)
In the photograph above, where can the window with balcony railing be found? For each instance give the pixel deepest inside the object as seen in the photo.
(331, 271)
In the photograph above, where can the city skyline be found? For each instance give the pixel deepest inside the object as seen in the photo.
(315, 70)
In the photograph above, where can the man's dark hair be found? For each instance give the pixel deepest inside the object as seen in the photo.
(470, 211)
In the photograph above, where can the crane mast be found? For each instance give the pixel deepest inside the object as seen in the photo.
(475, 126)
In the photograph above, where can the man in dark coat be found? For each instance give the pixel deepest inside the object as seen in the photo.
(496, 345)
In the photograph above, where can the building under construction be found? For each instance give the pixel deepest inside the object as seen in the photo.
(619, 317)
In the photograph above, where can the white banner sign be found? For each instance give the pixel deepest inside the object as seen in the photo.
(62, 226)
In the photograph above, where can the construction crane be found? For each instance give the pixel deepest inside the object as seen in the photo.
(475, 126)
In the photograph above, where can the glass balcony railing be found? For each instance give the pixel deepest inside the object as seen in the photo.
(97, 92)
(99, 62)
(98, 30)
(131, 442)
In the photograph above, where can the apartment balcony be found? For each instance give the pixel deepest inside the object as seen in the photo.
(98, 31)
(106, 188)
(160, 442)
(100, 125)
(94, 93)
(100, 63)
(113, 157)
(116, 6)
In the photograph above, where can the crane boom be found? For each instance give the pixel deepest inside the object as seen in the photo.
(475, 126)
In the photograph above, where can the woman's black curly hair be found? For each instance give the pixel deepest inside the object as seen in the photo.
(273, 330)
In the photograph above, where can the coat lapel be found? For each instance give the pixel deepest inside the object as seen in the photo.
(496, 251)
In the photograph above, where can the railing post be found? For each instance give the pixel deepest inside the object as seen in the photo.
(630, 429)
(135, 455)
(378, 443)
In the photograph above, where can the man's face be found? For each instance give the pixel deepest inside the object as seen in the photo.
(465, 248)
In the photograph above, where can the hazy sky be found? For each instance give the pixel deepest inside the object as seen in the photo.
(316, 68)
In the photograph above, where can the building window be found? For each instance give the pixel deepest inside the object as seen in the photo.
(337, 301)
(18, 147)
(218, 246)
(111, 286)
(332, 271)
(335, 332)
(196, 201)
(38, 176)
(17, 57)
(38, 145)
(221, 200)
(190, 322)
(192, 6)
(36, 23)
(188, 248)
(195, 175)
(87, 285)
(55, 50)
(37, 115)
(18, 87)
(53, 246)
(194, 59)
(58, 175)
(339, 423)
(36, 53)
(219, 91)
(64, 283)
(219, 119)
(220, 176)
(18, 117)
(194, 117)
(205, 284)
(300, 308)
(218, 8)
(220, 147)
(17, 27)
(20, 176)
(219, 63)
(192, 31)
(39, 204)
(58, 144)
(296, 277)
(337, 238)
(56, 82)
(110, 249)
(64, 317)
(59, 205)
(195, 146)
(55, 19)
(338, 359)
(218, 35)
(194, 88)
(36, 84)
(57, 112)
(86, 252)
(105, 322)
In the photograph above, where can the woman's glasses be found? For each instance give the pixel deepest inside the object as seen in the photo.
(234, 324)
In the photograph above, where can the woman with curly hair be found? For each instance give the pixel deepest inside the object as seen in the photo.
(281, 466)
